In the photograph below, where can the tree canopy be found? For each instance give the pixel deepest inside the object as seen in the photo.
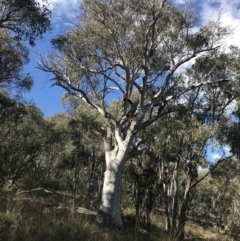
(120, 47)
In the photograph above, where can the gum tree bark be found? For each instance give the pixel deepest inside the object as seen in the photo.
(110, 209)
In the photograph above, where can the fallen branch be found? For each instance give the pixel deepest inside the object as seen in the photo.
(42, 189)
(79, 210)
(86, 211)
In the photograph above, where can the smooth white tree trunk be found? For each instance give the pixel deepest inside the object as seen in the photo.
(110, 209)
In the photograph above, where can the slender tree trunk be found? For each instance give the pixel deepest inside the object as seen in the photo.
(171, 201)
(179, 234)
(166, 202)
(144, 205)
(90, 182)
(163, 179)
(76, 182)
(148, 206)
(182, 221)
(174, 191)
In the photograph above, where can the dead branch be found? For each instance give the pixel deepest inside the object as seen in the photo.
(79, 210)
(42, 189)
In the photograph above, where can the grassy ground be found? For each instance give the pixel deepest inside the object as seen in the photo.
(33, 218)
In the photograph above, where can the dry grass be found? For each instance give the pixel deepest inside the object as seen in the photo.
(31, 218)
(196, 232)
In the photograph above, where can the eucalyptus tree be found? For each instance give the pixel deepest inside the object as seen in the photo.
(133, 51)
(230, 134)
(179, 150)
(225, 200)
(140, 184)
(19, 21)
(85, 130)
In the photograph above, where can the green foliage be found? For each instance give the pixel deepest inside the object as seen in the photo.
(19, 20)
(27, 19)
(216, 200)
(24, 135)
(76, 161)
(124, 46)
(231, 133)
(13, 56)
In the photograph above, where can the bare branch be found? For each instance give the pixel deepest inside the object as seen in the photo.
(168, 98)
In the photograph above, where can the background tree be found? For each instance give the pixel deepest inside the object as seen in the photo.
(13, 57)
(22, 141)
(25, 20)
(141, 184)
(215, 202)
(19, 21)
(81, 160)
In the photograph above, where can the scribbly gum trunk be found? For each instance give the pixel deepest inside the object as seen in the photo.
(109, 212)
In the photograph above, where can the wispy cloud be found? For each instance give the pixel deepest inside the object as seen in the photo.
(229, 12)
(64, 12)
(216, 157)
(211, 10)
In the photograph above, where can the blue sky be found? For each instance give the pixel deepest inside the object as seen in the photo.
(47, 98)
